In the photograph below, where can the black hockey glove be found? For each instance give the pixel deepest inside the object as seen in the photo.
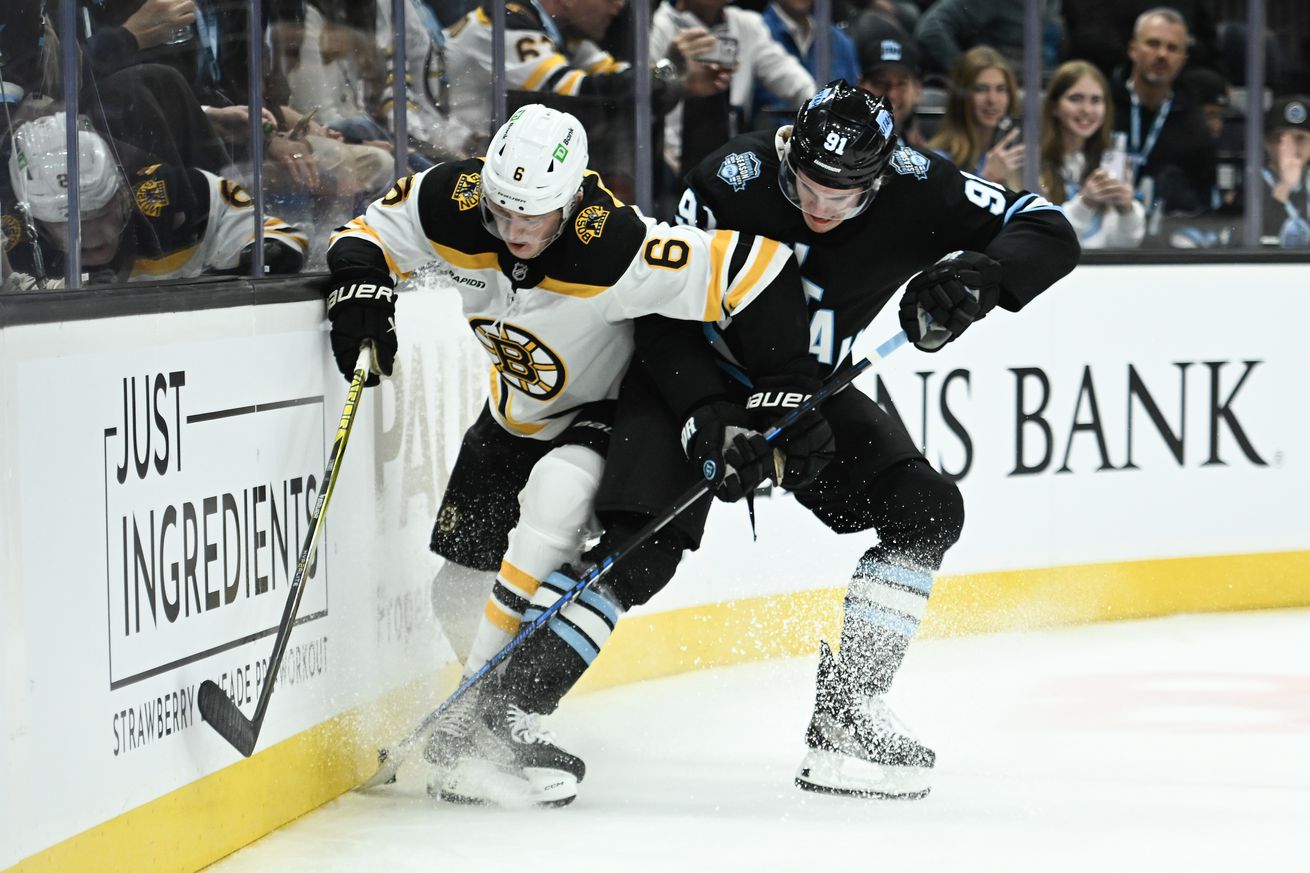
(732, 457)
(940, 303)
(280, 259)
(363, 311)
(802, 450)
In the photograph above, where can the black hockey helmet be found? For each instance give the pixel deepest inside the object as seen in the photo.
(842, 138)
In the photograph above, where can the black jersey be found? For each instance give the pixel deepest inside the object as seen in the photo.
(926, 208)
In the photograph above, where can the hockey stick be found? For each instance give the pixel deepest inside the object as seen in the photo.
(390, 759)
(216, 707)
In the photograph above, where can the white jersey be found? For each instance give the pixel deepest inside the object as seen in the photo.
(558, 327)
(538, 57)
(183, 222)
(229, 229)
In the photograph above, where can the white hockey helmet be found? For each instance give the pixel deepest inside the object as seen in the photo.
(535, 162)
(38, 168)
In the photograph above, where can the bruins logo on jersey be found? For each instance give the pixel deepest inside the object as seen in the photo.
(524, 362)
(12, 231)
(467, 190)
(152, 197)
(591, 223)
(448, 519)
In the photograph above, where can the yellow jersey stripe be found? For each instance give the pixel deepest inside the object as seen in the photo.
(521, 583)
(571, 289)
(302, 241)
(746, 285)
(496, 615)
(600, 183)
(570, 83)
(465, 260)
(605, 66)
(166, 264)
(552, 62)
(719, 246)
(360, 226)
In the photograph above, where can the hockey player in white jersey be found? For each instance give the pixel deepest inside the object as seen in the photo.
(141, 220)
(551, 271)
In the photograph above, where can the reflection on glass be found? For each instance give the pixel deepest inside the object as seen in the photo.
(142, 219)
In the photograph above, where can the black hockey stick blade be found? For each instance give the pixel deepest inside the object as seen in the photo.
(391, 758)
(224, 717)
(217, 709)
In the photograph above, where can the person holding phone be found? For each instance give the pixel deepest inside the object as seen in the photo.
(979, 133)
(1080, 166)
(747, 49)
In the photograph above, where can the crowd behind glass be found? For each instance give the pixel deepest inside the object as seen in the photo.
(231, 137)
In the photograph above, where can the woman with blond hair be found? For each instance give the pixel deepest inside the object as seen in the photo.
(978, 133)
(1077, 118)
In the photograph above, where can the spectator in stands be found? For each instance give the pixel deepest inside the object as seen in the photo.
(551, 46)
(891, 68)
(1097, 30)
(978, 133)
(949, 27)
(792, 25)
(144, 104)
(336, 65)
(139, 220)
(1168, 143)
(1077, 119)
(744, 45)
(1287, 151)
(1209, 90)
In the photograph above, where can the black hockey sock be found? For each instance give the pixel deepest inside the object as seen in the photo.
(541, 672)
(884, 604)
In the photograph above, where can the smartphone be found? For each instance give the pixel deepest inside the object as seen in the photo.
(724, 52)
(725, 48)
(1003, 128)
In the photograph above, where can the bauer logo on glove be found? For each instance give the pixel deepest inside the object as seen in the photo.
(363, 312)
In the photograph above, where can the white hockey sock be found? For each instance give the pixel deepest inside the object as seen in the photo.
(555, 520)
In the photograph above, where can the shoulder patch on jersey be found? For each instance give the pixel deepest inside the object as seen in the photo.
(152, 197)
(590, 223)
(12, 230)
(399, 192)
(467, 190)
(908, 162)
(739, 168)
(234, 194)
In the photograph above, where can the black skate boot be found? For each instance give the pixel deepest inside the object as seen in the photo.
(857, 745)
(489, 751)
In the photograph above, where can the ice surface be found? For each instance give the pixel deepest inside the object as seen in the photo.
(1171, 744)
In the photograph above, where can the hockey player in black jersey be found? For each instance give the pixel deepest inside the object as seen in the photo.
(551, 271)
(864, 215)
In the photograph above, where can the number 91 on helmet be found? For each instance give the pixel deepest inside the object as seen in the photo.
(833, 161)
(532, 178)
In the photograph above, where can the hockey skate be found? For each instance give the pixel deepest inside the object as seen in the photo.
(857, 745)
(489, 751)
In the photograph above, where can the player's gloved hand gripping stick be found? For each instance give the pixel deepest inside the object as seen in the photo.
(215, 706)
(390, 759)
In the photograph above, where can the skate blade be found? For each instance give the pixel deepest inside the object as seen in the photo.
(833, 773)
(484, 783)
